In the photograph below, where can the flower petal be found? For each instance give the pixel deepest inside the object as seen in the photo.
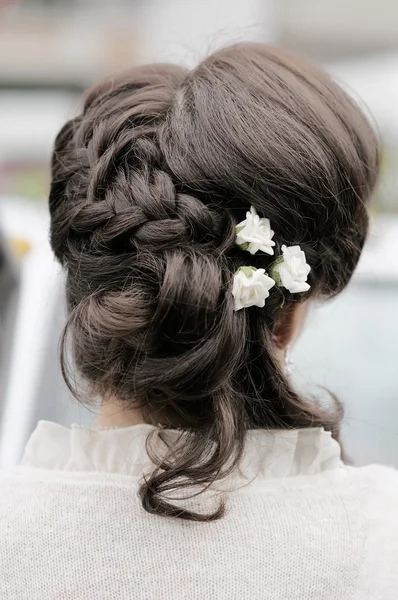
(251, 287)
(256, 232)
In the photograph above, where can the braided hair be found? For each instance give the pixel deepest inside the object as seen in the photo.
(148, 183)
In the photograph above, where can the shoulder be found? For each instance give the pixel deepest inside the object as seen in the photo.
(379, 573)
(380, 481)
(378, 489)
(20, 487)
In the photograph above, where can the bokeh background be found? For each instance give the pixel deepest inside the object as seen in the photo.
(51, 50)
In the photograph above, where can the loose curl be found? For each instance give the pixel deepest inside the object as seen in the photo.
(148, 183)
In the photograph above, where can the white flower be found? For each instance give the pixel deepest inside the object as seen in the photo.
(291, 270)
(255, 234)
(251, 287)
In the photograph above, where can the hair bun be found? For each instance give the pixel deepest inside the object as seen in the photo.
(148, 184)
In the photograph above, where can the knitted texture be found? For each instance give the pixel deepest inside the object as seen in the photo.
(75, 535)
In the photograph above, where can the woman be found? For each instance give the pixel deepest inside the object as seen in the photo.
(197, 215)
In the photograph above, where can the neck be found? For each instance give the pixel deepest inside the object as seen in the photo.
(114, 414)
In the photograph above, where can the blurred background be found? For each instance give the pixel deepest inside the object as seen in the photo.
(51, 50)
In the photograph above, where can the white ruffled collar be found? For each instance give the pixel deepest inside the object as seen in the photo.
(268, 454)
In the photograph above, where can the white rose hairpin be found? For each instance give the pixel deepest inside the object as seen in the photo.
(291, 270)
(251, 286)
(255, 233)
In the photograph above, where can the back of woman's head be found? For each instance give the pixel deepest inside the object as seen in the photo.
(149, 182)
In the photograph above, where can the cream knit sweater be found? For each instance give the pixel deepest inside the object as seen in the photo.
(301, 526)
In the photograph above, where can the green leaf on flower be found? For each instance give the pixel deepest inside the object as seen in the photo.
(274, 273)
(244, 246)
(248, 271)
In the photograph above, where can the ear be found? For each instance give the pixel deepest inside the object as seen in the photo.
(290, 323)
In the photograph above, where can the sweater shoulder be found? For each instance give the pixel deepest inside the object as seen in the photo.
(378, 486)
(381, 481)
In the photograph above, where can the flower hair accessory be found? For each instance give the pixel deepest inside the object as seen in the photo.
(255, 233)
(251, 287)
(291, 270)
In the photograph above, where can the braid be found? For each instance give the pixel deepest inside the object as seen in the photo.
(148, 183)
(122, 198)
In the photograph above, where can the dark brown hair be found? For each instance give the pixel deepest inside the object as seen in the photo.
(148, 184)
